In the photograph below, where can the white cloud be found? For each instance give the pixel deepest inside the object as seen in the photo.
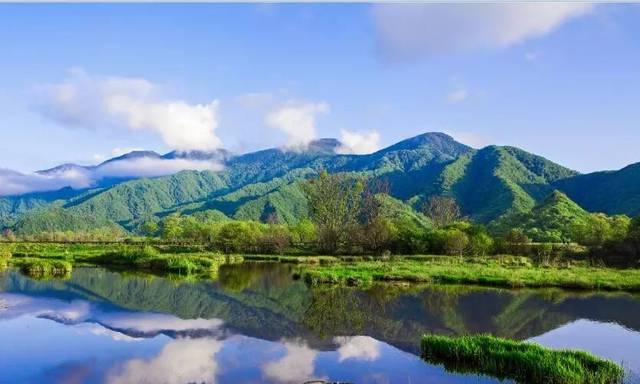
(358, 348)
(297, 120)
(297, 365)
(413, 30)
(60, 310)
(16, 183)
(180, 361)
(457, 96)
(152, 167)
(157, 322)
(99, 330)
(353, 142)
(88, 101)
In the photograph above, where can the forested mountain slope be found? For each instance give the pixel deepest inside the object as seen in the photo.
(487, 184)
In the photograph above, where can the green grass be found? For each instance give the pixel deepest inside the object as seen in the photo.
(42, 268)
(133, 257)
(500, 271)
(513, 272)
(522, 362)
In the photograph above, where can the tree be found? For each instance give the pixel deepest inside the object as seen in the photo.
(443, 210)
(516, 241)
(304, 231)
(270, 214)
(371, 207)
(378, 235)
(171, 228)
(594, 231)
(456, 242)
(334, 204)
(149, 228)
(480, 243)
(516, 236)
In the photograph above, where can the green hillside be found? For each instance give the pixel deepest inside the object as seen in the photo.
(611, 192)
(488, 184)
(54, 218)
(553, 220)
(498, 180)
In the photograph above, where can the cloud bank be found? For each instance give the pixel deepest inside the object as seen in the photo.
(406, 31)
(77, 177)
(16, 183)
(86, 101)
(297, 120)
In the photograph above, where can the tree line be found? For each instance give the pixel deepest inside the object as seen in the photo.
(347, 215)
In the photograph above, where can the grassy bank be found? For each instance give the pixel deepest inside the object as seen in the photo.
(522, 362)
(49, 258)
(510, 272)
(499, 271)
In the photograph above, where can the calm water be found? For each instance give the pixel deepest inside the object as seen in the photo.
(256, 325)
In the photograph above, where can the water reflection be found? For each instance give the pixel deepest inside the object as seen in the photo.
(255, 324)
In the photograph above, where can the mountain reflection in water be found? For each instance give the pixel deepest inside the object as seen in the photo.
(255, 324)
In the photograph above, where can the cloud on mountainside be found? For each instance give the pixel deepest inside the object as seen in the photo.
(16, 183)
(353, 142)
(406, 31)
(86, 101)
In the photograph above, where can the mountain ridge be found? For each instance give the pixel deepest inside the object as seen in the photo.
(488, 183)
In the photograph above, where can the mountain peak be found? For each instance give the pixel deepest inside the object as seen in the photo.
(67, 167)
(434, 142)
(557, 200)
(133, 155)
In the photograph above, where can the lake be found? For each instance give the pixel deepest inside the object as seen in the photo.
(255, 324)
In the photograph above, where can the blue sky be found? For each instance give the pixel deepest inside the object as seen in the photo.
(83, 82)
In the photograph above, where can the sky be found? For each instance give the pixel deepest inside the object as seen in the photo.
(82, 83)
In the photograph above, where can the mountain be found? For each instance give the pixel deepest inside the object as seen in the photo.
(489, 184)
(497, 180)
(133, 155)
(553, 220)
(611, 192)
(64, 168)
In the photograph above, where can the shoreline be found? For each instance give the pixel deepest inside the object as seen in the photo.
(496, 271)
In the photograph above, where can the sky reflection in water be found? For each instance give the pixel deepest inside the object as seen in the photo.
(88, 330)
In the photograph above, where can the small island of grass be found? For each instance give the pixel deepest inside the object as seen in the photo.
(519, 361)
(505, 271)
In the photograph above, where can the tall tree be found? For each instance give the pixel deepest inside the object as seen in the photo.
(334, 205)
(443, 210)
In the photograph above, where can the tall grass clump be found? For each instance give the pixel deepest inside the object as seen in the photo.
(129, 256)
(43, 268)
(519, 361)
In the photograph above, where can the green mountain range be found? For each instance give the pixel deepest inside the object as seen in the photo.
(489, 183)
